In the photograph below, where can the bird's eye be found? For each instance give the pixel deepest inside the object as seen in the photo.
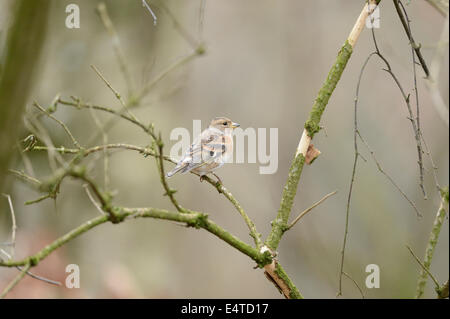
(225, 124)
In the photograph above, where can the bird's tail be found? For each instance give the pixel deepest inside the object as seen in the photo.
(174, 171)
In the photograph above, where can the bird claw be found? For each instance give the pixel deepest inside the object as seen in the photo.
(219, 181)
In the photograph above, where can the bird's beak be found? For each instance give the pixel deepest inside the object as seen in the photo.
(234, 125)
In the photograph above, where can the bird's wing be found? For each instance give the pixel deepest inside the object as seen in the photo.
(205, 149)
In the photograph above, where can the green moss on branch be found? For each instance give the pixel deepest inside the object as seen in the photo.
(312, 124)
(280, 224)
(432, 242)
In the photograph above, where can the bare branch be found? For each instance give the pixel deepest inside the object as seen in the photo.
(423, 267)
(309, 209)
(432, 242)
(16, 280)
(405, 22)
(64, 126)
(13, 224)
(144, 3)
(109, 26)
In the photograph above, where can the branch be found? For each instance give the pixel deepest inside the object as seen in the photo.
(443, 291)
(64, 126)
(251, 226)
(191, 219)
(109, 26)
(115, 92)
(352, 181)
(429, 252)
(423, 267)
(150, 152)
(15, 281)
(32, 275)
(405, 22)
(13, 224)
(435, 68)
(414, 121)
(309, 209)
(311, 127)
(440, 5)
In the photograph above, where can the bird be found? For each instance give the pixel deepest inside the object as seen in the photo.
(209, 151)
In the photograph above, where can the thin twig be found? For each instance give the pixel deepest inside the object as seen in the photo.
(144, 3)
(160, 163)
(355, 162)
(38, 130)
(404, 21)
(181, 30)
(440, 5)
(435, 67)
(105, 150)
(417, 133)
(64, 126)
(93, 201)
(109, 26)
(416, 91)
(201, 18)
(411, 116)
(148, 87)
(391, 180)
(25, 177)
(32, 275)
(116, 93)
(80, 104)
(423, 267)
(309, 209)
(16, 280)
(355, 283)
(13, 224)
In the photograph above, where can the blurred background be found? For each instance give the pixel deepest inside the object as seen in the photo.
(264, 64)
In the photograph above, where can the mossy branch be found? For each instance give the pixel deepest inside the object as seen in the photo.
(280, 224)
(434, 236)
(191, 219)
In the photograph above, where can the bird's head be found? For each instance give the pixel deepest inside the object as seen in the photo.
(223, 123)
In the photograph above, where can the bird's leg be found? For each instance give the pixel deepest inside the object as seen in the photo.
(218, 179)
(202, 177)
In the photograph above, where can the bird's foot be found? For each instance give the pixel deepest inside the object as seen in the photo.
(218, 183)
